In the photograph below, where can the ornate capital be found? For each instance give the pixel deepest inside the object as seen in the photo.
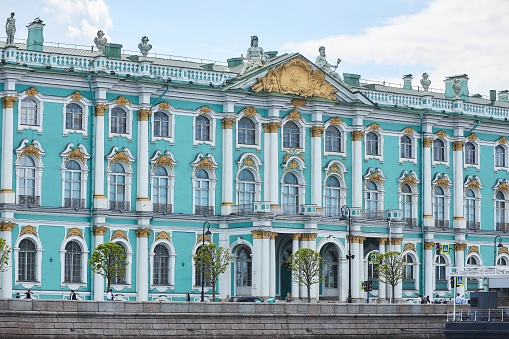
(271, 127)
(317, 131)
(460, 247)
(296, 236)
(228, 122)
(427, 142)
(428, 245)
(357, 135)
(257, 234)
(100, 109)
(8, 102)
(382, 241)
(143, 232)
(144, 114)
(6, 226)
(458, 145)
(99, 230)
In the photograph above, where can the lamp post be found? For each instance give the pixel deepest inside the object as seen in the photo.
(495, 248)
(203, 234)
(349, 255)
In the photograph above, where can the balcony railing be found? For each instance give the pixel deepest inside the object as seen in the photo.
(502, 226)
(411, 221)
(162, 208)
(243, 209)
(29, 199)
(473, 225)
(441, 223)
(332, 212)
(289, 209)
(120, 205)
(375, 214)
(204, 210)
(74, 203)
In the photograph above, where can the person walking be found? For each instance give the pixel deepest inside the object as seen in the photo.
(28, 294)
(109, 295)
(73, 295)
(188, 297)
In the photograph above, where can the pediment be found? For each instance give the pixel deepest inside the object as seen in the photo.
(295, 75)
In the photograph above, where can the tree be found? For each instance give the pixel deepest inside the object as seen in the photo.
(109, 260)
(5, 253)
(391, 269)
(306, 267)
(214, 263)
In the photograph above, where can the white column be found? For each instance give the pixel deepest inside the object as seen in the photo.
(356, 292)
(265, 264)
(315, 291)
(7, 195)
(272, 263)
(426, 182)
(100, 200)
(225, 285)
(457, 156)
(316, 165)
(257, 263)
(266, 162)
(142, 264)
(143, 202)
(382, 295)
(428, 268)
(226, 205)
(98, 293)
(459, 254)
(274, 177)
(295, 285)
(6, 282)
(357, 168)
(398, 289)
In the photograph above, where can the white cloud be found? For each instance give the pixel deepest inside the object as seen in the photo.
(448, 37)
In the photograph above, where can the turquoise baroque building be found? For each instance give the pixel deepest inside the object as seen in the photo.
(150, 152)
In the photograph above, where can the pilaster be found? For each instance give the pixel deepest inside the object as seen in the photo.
(227, 170)
(142, 262)
(6, 276)
(7, 195)
(143, 202)
(316, 165)
(98, 292)
(357, 168)
(100, 200)
(459, 213)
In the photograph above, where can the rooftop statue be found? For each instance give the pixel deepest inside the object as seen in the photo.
(100, 40)
(425, 82)
(322, 62)
(144, 46)
(456, 87)
(255, 57)
(10, 29)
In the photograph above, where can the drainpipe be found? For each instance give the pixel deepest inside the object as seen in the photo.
(477, 123)
(162, 95)
(91, 196)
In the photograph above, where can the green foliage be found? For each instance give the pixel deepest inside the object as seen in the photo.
(109, 260)
(306, 267)
(5, 253)
(215, 262)
(391, 268)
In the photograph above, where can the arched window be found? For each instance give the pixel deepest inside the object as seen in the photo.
(160, 189)
(440, 268)
(438, 150)
(409, 269)
(291, 194)
(26, 183)
(502, 261)
(246, 191)
(332, 139)
(118, 120)
(118, 188)
(406, 147)
(470, 154)
(121, 279)
(198, 274)
(202, 192)
(371, 200)
(27, 266)
(500, 156)
(406, 203)
(29, 112)
(72, 185)
(372, 144)
(161, 274)
(500, 211)
(247, 132)
(202, 131)
(161, 124)
(439, 208)
(330, 267)
(291, 135)
(332, 197)
(73, 116)
(470, 213)
(73, 259)
(243, 268)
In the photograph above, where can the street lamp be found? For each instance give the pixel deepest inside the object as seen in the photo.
(495, 247)
(203, 234)
(349, 255)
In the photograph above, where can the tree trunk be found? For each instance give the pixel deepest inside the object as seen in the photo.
(309, 293)
(393, 299)
(213, 290)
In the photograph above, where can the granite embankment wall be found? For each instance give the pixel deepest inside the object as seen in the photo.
(116, 319)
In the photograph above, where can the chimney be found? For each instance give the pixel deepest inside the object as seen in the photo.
(449, 91)
(407, 81)
(503, 96)
(35, 37)
(352, 79)
(493, 96)
(232, 62)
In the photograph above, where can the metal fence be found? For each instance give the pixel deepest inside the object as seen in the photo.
(473, 315)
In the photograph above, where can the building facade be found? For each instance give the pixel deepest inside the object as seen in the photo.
(149, 152)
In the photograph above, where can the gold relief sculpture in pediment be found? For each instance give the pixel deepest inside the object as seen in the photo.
(122, 101)
(76, 96)
(296, 77)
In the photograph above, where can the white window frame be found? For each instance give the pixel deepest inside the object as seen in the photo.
(302, 136)
(477, 197)
(477, 155)
(379, 184)
(169, 169)
(171, 274)
(85, 105)
(213, 129)
(39, 166)
(38, 260)
(171, 126)
(40, 112)
(128, 171)
(258, 133)
(301, 186)
(83, 165)
(380, 155)
(415, 267)
(212, 179)
(446, 152)
(195, 248)
(84, 262)
(413, 147)
(129, 258)
(505, 166)
(129, 122)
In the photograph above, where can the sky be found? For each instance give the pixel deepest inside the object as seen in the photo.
(378, 39)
